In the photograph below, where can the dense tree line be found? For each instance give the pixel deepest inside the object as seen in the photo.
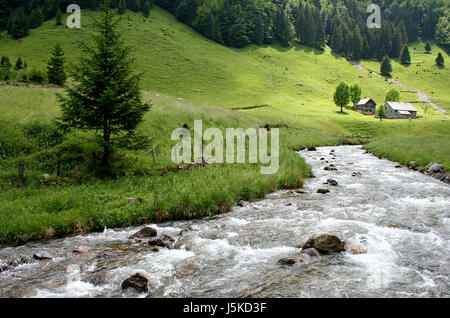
(19, 16)
(339, 23)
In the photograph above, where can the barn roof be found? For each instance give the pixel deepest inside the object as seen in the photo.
(402, 106)
(365, 101)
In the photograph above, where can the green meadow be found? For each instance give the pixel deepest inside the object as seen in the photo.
(187, 77)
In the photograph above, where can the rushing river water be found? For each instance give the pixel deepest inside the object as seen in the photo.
(401, 217)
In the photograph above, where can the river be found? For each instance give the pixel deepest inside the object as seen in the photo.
(400, 216)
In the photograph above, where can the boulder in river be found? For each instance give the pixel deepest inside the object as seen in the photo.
(311, 252)
(332, 182)
(138, 281)
(289, 261)
(144, 233)
(81, 249)
(13, 261)
(323, 191)
(162, 241)
(325, 244)
(43, 256)
(312, 148)
(330, 168)
(356, 174)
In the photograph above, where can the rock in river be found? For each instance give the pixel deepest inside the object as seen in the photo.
(81, 249)
(137, 281)
(162, 241)
(287, 261)
(332, 182)
(42, 256)
(144, 233)
(323, 191)
(325, 244)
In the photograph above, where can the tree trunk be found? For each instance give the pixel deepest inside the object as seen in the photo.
(341, 109)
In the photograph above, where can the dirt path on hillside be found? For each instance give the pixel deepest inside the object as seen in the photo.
(422, 96)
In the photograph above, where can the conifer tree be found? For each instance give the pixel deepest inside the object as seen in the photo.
(320, 34)
(258, 32)
(36, 18)
(386, 67)
(55, 67)
(134, 5)
(405, 58)
(105, 96)
(58, 17)
(146, 9)
(19, 27)
(122, 7)
(283, 32)
(440, 60)
(19, 65)
(213, 31)
(428, 47)
(301, 28)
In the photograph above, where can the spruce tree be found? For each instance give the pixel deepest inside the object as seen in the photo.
(258, 32)
(105, 96)
(440, 60)
(337, 40)
(405, 58)
(36, 18)
(213, 31)
(146, 9)
(301, 28)
(283, 32)
(428, 47)
(19, 65)
(342, 95)
(55, 67)
(310, 36)
(58, 17)
(19, 27)
(134, 5)
(122, 7)
(93, 4)
(386, 67)
(320, 34)
(5, 62)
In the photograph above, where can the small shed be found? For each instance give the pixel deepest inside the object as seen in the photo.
(397, 110)
(366, 106)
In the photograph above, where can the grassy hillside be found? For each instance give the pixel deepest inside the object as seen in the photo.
(188, 77)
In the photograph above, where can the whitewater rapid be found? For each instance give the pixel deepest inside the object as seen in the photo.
(400, 216)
